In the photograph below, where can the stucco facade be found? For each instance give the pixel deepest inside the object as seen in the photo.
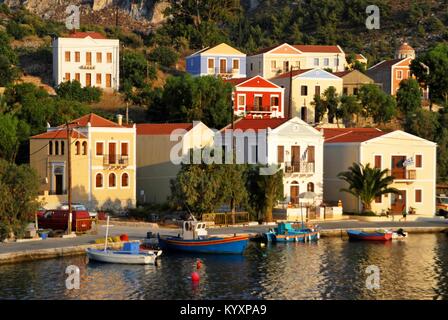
(102, 164)
(89, 58)
(410, 159)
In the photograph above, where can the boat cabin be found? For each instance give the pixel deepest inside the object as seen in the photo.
(192, 230)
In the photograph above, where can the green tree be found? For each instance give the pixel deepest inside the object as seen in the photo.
(348, 108)
(319, 108)
(376, 103)
(8, 73)
(72, 90)
(19, 186)
(136, 70)
(366, 183)
(409, 96)
(164, 55)
(331, 103)
(13, 132)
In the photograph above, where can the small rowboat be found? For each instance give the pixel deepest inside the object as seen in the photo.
(123, 257)
(286, 233)
(369, 236)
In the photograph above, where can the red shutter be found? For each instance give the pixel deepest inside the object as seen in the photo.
(418, 196)
(418, 161)
(378, 162)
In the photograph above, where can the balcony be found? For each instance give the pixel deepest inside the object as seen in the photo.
(299, 167)
(404, 175)
(87, 67)
(115, 160)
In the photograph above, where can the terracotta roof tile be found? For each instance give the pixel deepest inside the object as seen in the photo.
(347, 135)
(82, 35)
(342, 73)
(294, 73)
(161, 128)
(317, 48)
(59, 134)
(257, 124)
(95, 121)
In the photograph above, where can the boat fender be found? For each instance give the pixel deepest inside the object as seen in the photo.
(305, 239)
(309, 238)
(195, 277)
(318, 235)
(287, 238)
(296, 239)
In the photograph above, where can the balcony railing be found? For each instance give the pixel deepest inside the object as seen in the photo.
(115, 160)
(300, 167)
(87, 67)
(404, 174)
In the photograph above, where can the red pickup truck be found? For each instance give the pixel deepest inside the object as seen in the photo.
(58, 220)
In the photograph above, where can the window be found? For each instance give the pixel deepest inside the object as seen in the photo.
(378, 199)
(326, 62)
(310, 187)
(99, 57)
(56, 147)
(280, 154)
(311, 151)
(99, 148)
(77, 148)
(317, 90)
(112, 180)
(98, 79)
(399, 74)
(251, 66)
(418, 161)
(88, 58)
(304, 90)
(62, 147)
(236, 64)
(88, 79)
(50, 148)
(316, 61)
(84, 148)
(211, 63)
(124, 149)
(336, 62)
(77, 77)
(378, 162)
(67, 56)
(77, 56)
(241, 100)
(345, 91)
(274, 101)
(109, 57)
(285, 66)
(273, 64)
(125, 180)
(67, 76)
(418, 196)
(99, 180)
(355, 91)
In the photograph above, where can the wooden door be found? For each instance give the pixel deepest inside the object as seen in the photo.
(398, 170)
(88, 79)
(108, 80)
(280, 154)
(88, 58)
(112, 153)
(295, 158)
(223, 66)
(258, 101)
(59, 183)
(398, 202)
(294, 194)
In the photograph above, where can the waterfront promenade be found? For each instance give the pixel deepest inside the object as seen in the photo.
(56, 247)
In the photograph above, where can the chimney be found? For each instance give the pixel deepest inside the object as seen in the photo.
(120, 119)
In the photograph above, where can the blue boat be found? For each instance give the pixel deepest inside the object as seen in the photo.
(285, 232)
(195, 238)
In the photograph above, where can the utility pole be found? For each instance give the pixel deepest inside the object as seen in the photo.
(289, 115)
(69, 179)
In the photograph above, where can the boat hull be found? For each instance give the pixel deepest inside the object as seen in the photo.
(294, 237)
(122, 258)
(369, 236)
(231, 245)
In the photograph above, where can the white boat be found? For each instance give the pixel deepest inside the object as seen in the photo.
(124, 257)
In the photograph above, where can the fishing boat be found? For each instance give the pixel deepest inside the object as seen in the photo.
(285, 232)
(194, 238)
(379, 235)
(129, 254)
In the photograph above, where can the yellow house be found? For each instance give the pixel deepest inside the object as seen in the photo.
(103, 170)
(306, 84)
(411, 160)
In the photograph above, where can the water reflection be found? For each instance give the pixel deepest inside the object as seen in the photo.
(330, 269)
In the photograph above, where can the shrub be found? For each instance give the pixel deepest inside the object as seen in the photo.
(72, 90)
(164, 55)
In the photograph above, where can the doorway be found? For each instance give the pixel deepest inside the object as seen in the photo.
(295, 158)
(294, 194)
(258, 101)
(59, 184)
(398, 169)
(112, 153)
(398, 202)
(223, 66)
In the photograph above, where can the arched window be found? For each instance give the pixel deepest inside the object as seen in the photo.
(125, 180)
(62, 147)
(84, 148)
(78, 148)
(99, 180)
(112, 180)
(310, 187)
(56, 147)
(50, 148)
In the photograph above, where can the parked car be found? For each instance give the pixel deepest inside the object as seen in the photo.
(442, 206)
(58, 220)
(77, 207)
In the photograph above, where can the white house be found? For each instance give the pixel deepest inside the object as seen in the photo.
(293, 144)
(88, 57)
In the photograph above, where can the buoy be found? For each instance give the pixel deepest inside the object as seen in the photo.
(195, 277)
(198, 264)
(124, 237)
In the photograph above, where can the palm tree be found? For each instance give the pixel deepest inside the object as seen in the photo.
(366, 183)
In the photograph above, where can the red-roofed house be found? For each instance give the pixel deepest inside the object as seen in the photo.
(103, 158)
(87, 57)
(158, 145)
(273, 61)
(410, 159)
(257, 97)
(293, 144)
